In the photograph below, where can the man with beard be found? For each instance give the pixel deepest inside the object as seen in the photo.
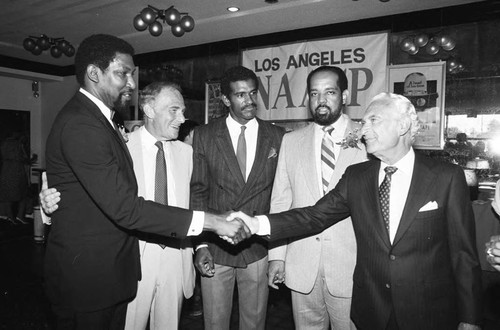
(234, 162)
(92, 261)
(318, 268)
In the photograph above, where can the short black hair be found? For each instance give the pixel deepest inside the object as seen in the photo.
(186, 128)
(236, 73)
(100, 50)
(342, 82)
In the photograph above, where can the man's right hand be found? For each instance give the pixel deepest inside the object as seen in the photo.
(275, 273)
(233, 231)
(48, 197)
(204, 262)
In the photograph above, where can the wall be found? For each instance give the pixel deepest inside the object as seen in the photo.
(16, 94)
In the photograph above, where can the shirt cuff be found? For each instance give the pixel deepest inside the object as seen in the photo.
(201, 246)
(264, 226)
(197, 223)
(45, 218)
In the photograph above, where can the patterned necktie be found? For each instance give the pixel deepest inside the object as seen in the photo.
(327, 158)
(384, 193)
(161, 192)
(241, 153)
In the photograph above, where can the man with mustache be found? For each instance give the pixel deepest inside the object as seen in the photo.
(92, 261)
(234, 162)
(318, 268)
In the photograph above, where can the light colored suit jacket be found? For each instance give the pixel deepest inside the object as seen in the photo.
(181, 166)
(296, 185)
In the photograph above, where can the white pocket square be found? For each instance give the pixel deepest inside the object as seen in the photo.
(429, 207)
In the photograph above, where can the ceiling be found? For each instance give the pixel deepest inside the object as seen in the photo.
(76, 19)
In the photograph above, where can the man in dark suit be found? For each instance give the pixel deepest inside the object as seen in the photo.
(222, 181)
(417, 265)
(92, 261)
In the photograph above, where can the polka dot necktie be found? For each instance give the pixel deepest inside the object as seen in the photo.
(384, 193)
(327, 158)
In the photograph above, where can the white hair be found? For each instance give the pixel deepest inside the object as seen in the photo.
(405, 108)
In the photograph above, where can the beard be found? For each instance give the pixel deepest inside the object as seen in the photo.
(325, 119)
(122, 104)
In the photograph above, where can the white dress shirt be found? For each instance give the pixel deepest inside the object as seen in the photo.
(251, 132)
(107, 112)
(149, 151)
(400, 185)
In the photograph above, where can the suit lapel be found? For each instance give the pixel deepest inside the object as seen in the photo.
(307, 152)
(96, 112)
(371, 186)
(422, 180)
(225, 146)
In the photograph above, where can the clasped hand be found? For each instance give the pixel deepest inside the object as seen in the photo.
(235, 227)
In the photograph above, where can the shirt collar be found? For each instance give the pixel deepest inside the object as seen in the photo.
(339, 127)
(404, 165)
(147, 139)
(107, 112)
(234, 125)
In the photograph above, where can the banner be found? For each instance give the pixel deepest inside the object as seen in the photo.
(282, 72)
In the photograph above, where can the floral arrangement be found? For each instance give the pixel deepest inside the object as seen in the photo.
(351, 140)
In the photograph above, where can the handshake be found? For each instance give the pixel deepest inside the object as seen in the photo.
(234, 227)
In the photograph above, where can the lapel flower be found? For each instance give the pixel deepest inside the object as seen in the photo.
(351, 140)
(272, 153)
(124, 133)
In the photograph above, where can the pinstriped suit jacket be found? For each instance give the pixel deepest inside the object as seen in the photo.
(430, 275)
(217, 184)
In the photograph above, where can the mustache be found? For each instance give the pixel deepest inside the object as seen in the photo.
(323, 106)
(250, 106)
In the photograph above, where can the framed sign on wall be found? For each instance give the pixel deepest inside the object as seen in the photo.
(424, 85)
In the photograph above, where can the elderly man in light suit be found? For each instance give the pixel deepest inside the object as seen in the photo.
(167, 264)
(318, 268)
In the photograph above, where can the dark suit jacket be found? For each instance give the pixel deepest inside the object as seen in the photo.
(92, 261)
(430, 275)
(217, 184)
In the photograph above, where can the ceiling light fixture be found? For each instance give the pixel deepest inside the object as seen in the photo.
(58, 46)
(233, 9)
(432, 43)
(147, 19)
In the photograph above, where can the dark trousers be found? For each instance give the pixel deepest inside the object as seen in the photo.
(111, 318)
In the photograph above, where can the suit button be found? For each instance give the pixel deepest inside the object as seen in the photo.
(387, 285)
(392, 257)
(317, 238)
(173, 234)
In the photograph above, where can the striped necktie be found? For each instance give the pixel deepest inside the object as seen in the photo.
(327, 158)
(161, 192)
(241, 153)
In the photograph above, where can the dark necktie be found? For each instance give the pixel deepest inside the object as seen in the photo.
(327, 158)
(241, 153)
(161, 192)
(384, 193)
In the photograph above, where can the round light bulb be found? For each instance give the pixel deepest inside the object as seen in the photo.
(187, 23)
(155, 29)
